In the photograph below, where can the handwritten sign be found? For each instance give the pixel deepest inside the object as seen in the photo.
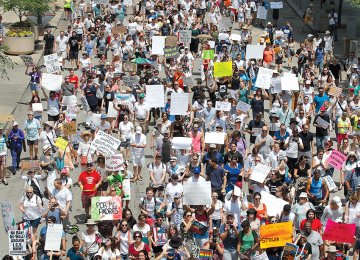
(51, 82)
(339, 232)
(223, 69)
(243, 106)
(181, 143)
(179, 103)
(275, 235)
(336, 159)
(130, 80)
(70, 128)
(119, 30)
(185, 36)
(114, 162)
(223, 106)
(105, 144)
(171, 52)
(69, 100)
(31, 164)
(335, 91)
(52, 63)
(154, 96)
(171, 41)
(214, 138)
(254, 51)
(260, 172)
(322, 123)
(112, 112)
(17, 242)
(28, 60)
(276, 5)
(54, 234)
(7, 212)
(329, 182)
(263, 78)
(198, 228)
(261, 13)
(61, 143)
(106, 208)
(192, 196)
(37, 107)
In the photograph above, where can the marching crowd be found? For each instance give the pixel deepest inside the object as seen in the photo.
(108, 52)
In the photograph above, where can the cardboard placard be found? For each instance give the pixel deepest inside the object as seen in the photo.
(154, 96)
(185, 36)
(290, 251)
(30, 164)
(289, 82)
(179, 103)
(335, 91)
(112, 112)
(276, 5)
(7, 212)
(69, 100)
(37, 107)
(339, 232)
(51, 82)
(105, 144)
(106, 208)
(70, 128)
(181, 143)
(223, 106)
(127, 189)
(198, 228)
(130, 80)
(171, 41)
(61, 143)
(322, 123)
(28, 60)
(223, 69)
(52, 63)
(17, 242)
(171, 52)
(128, 66)
(214, 138)
(114, 162)
(54, 234)
(277, 204)
(260, 172)
(192, 196)
(243, 106)
(208, 54)
(254, 51)
(119, 29)
(263, 78)
(336, 159)
(158, 45)
(275, 235)
(261, 13)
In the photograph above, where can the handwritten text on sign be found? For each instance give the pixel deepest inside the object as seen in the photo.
(52, 63)
(7, 212)
(114, 162)
(17, 242)
(70, 128)
(275, 235)
(106, 144)
(54, 234)
(106, 208)
(336, 159)
(339, 232)
(61, 143)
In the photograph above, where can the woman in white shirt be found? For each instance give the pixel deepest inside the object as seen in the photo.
(126, 130)
(109, 250)
(332, 211)
(48, 136)
(218, 213)
(84, 151)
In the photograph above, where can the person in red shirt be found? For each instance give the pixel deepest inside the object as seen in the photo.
(315, 222)
(74, 80)
(89, 181)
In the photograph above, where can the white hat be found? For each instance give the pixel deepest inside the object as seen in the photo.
(46, 147)
(327, 32)
(331, 249)
(303, 195)
(212, 146)
(15, 123)
(337, 200)
(90, 222)
(138, 130)
(309, 35)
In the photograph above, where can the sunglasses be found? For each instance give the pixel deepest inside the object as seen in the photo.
(137, 236)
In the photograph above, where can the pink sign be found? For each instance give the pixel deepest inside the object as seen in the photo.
(336, 159)
(339, 232)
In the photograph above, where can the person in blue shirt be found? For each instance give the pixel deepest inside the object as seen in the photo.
(320, 99)
(319, 57)
(212, 152)
(76, 252)
(229, 234)
(16, 138)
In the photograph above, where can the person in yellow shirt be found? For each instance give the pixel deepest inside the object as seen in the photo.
(344, 126)
(67, 9)
(355, 121)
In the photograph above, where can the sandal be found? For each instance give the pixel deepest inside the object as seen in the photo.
(133, 180)
(140, 178)
(5, 182)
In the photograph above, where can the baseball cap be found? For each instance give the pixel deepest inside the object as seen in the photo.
(173, 158)
(197, 170)
(142, 95)
(177, 195)
(303, 195)
(138, 130)
(322, 108)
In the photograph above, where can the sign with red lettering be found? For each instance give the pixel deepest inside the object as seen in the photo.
(336, 159)
(339, 232)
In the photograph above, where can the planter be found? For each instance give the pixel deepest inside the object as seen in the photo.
(19, 45)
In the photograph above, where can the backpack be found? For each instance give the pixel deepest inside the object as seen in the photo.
(60, 162)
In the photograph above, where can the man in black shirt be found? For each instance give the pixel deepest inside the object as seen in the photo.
(322, 132)
(254, 127)
(307, 140)
(335, 69)
(49, 42)
(74, 45)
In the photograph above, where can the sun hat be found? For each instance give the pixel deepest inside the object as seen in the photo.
(90, 222)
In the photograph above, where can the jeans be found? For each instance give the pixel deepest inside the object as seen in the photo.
(15, 155)
(320, 141)
(231, 255)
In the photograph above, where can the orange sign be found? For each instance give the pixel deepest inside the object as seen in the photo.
(275, 235)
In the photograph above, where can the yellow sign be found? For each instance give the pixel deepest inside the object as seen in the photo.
(61, 143)
(275, 235)
(223, 69)
(70, 128)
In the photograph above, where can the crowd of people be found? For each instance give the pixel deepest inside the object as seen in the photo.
(107, 70)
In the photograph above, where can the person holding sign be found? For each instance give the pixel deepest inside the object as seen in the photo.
(35, 78)
(322, 127)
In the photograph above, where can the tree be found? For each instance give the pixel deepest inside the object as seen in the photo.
(5, 63)
(354, 3)
(22, 7)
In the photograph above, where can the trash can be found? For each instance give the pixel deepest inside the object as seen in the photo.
(346, 46)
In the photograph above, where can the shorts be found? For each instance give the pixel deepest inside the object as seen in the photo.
(73, 55)
(138, 161)
(340, 137)
(33, 223)
(67, 9)
(3, 160)
(103, 187)
(125, 144)
(86, 200)
(32, 142)
(62, 54)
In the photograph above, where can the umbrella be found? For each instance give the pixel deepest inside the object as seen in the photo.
(204, 36)
(141, 61)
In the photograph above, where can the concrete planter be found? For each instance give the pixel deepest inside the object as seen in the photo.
(19, 45)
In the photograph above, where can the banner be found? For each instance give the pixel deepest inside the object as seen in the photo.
(275, 235)
(192, 196)
(205, 254)
(106, 208)
(7, 212)
(69, 100)
(51, 82)
(223, 69)
(254, 51)
(61, 143)
(223, 106)
(335, 91)
(30, 164)
(261, 13)
(339, 232)
(208, 54)
(263, 78)
(289, 252)
(105, 144)
(28, 60)
(214, 138)
(54, 234)
(277, 204)
(185, 36)
(171, 41)
(70, 128)
(276, 5)
(114, 162)
(37, 107)
(260, 172)
(181, 143)
(198, 228)
(243, 106)
(179, 103)
(336, 159)
(289, 82)
(171, 52)
(17, 242)
(154, 96)
(52, 63)
(112, 112)
(158, 45)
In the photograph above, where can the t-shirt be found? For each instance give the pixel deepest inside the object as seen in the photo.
(89, 180)
(319, 101)
(72, 254)
(67, 89)
(265, 148)
(231, 240)
(304, 251)
(90, 94)
(235, 208)
(62, 196)
(315, 240)
(216, 176)
(306, 140)
(32, 129)
(254, 124)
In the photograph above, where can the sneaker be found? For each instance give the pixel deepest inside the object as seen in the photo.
(5, 182)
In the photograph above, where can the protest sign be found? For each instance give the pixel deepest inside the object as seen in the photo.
(37, 107)
(61, 143)
(225, 24)
(30, 164)
(101, 2)
(192, 196)
(214, 138)
(106, 208)
(128, 2)
(6, 118)
(69, 100)
(188, 81)
(51, 82)
(105, 144)
(329, 182)
(335, 91)
(69, 117)
(336, 159)
(185, 36)
(112, 112)
(261, 13)
(275, 235)
(171, 52)
(126, 189)
(211, 44)
(260, 172)
(205, 254)
(277, 204)
(322, 123)
(223, 36)
(119, 29)
(28, 60)
(158, 45)
(208, 54)
(114, 162)
(17, 242)
(339, 232)
(130, 80)
(179, 103)
(289, 82)
(289, 252)
(52, 63)
(129, 66)
(263, 78)
(181, 143)
(198, 228)
(70, 128)
(263, 256)
(154, 96)
(223, 106)
(223, 69)
(235, 37)
(276, 5)
(256, 131)
(7, 212)
(159, 235)
(243, 106)
(254, 51)
(54, 234)
(171, 41)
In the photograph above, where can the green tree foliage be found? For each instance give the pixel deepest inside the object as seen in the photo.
(5, 63)
(354, 3)
(22, 7)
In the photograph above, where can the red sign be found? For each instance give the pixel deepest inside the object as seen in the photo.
(339, 232)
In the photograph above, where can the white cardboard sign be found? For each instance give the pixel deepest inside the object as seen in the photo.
(261, 13)
(114, 162)
(260, 172)
(37, 107)
(289, 82)
(185, 36)
(179, 103)
(54, 234)
(69, 100)
(154, 96)
(214, 138)
(223, 106)
(243, 106)
(17, 242)
(263, 78)
(52, 63)
(105, 144)
(158, 45)
(181, 143)
(112, 112)
(254, 51)
(51, 82)
(276, 5)
(277, 204)
(193, 196)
